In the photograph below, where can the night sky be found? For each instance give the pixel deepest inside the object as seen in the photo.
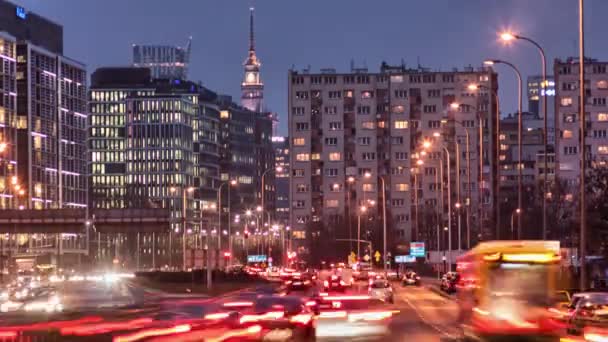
(440, 34)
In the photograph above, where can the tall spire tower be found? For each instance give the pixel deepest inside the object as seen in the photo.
(252, 88)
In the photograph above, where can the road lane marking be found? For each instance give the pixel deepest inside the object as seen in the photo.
(427, 322)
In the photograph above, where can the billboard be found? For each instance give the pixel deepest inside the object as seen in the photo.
(404, 259)
(256, 258)
(417, 249)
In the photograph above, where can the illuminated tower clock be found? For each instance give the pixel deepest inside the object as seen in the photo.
(252, 88)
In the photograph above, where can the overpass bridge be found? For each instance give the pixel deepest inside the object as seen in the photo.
(29, 232)
(54, 221)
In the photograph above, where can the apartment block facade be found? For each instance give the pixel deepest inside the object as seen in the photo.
(344, 125)
(567, 118)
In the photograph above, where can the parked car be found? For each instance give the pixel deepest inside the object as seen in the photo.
(298, 282)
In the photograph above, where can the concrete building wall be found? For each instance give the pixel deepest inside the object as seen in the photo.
(343, 125)
(567, 119)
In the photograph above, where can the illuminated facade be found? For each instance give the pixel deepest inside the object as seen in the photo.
(281, 160)
(43, 119)
(246, 152)
(344, 125)
(150, 142)
(535, 104)
(252, 88)
(567, 120)
(164, 61)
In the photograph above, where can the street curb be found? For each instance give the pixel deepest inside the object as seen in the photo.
(436, 290)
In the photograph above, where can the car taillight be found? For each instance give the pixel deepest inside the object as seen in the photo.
(288, 282)
(219, 315)
(267, 316)
(342, 282)
(311, 303)
(325, 283)
(334, 277)
(143, 334)
(301, 319)
(236, 304)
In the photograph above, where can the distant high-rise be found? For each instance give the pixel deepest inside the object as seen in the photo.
(535, 104)
(252, 88)
(164, 61)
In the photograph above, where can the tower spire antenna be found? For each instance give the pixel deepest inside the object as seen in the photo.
(251, 29)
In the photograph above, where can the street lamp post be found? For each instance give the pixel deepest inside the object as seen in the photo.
(384, 259)
(276, 169)
(516, 211)
(185, 191)
(519, 135)
(349, 181)
(426, 145)
(508, 36)
(361, 210)
(219, 218)
(497, 160)
(583, 123)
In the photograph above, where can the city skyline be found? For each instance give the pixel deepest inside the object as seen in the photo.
(325, 47)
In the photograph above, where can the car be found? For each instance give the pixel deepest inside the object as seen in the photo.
(353, 317)
(298, 282)
(335, 283)
(392, 275)
(449, 282)
(273, 272)
(410, 278)
(591, 310)
(381, 289)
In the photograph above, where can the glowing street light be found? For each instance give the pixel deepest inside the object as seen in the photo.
(507, 36)
(248, 212)
(426, 144)
(258, 209)
(350, 179)
(473, 87)
(336, 186)
(454, 105)
(420, 162)
(3, 146)
(367, 175)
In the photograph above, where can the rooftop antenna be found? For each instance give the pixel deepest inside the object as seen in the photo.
(352, 64)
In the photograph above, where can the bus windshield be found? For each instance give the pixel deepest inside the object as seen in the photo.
(521, 282)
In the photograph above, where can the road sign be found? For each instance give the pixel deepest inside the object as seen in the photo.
(366, 257)
(352, 258)
(256, 258)
(417, 249)
(377, 255)
(404, 259)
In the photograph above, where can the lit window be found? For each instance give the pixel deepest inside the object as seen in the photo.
(569, 197)
(602, 84)
(602, 149)
(303, 157)
(503, 157)
(225, 114)
(398, 109)
(332, 203)
(316, 156)
(368, 125)
(566, 101)
(335, 156)
(504, 147)
(401, 124)
(368, 187)
(567, 134)
(402, 187)
(299, 141)
(502, 137)
(602, 117)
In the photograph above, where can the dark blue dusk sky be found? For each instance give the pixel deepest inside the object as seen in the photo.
(441, 34)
